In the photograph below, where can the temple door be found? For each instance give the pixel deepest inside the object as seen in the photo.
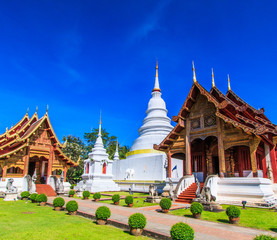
(244, 160)
(198, 165)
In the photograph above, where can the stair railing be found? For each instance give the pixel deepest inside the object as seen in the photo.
(183, 184)
(211, 182)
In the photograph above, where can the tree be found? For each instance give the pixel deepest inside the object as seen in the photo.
(75, 149)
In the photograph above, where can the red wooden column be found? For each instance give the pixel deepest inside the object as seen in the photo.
(188, 148)
(50, 162)
(273, 163)
(273, 160)
(64, 173)
(26, 161)
(221, 152)
(169, 164)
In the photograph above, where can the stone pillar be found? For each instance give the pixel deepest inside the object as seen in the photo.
(253, 148)
(4, 175)
(188, 150)
(169, 164)
(26, 161)
(221, 154)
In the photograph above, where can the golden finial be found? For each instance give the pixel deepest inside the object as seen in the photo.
(229, 85)
(7, 132)
(193, 69)
(157, 68)
(65, 143)
(213, 84)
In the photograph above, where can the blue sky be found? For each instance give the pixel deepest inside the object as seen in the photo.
(82, 56)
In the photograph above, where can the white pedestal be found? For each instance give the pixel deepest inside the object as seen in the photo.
(10, 197)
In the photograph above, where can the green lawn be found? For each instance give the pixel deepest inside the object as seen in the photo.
(20, 220)
(138, 202)
(135, 194)
(251, 217)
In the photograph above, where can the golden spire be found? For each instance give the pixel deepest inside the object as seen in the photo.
(213, 84)
(229, 85)
(193, 69)
(157, 68)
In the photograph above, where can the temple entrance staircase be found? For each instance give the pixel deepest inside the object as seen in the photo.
(188, 194)
(46, 189)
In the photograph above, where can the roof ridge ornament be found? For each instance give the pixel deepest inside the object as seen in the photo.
(27, 111)
(213, 83)
(36, 109)
(47, 109)
(193, 70)
(229, 85)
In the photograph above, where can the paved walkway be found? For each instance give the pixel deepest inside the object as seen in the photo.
(161, 223)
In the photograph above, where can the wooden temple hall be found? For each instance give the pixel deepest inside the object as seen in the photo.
(32, 145)
(221, 134)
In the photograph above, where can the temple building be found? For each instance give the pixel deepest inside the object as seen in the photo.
(31, 146)
(220, 134)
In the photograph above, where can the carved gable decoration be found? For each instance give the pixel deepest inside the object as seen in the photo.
(209, 120)
(195, 123)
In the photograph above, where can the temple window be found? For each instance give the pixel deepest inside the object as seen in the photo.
(15, 170)
(87, 168)
(195, 123)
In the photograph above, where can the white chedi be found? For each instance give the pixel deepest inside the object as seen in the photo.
(98, 169)
(143, 162)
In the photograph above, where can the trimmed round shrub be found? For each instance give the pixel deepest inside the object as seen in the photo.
(264, 237)
(25, 194)
(33, 197)
(103, 213)
(72, 186)
(136, 221)
(165, 203)
(233, 211)
(129, 199)
(41, 198)
(58, 202)
(86, 194)
(181, 231)
(116, 198)
(196, 208)
(71, 192)
(97, 195)
(71, 206)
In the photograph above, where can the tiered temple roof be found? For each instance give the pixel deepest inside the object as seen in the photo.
(230, 108)
(18, 137)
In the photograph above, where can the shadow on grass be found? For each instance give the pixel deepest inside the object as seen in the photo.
(223, 220)
(188, 215)
(273, 229)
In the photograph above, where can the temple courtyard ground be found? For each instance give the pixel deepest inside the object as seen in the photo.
(20, 220)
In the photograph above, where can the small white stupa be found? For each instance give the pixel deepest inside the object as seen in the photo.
(98, 169)
(143, 162)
